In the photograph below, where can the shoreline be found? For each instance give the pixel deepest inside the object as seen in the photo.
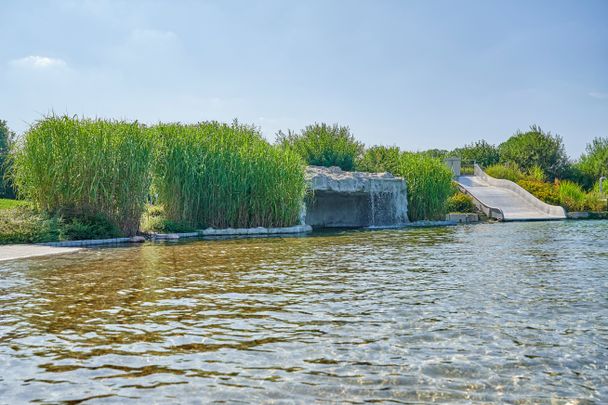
(26, 251)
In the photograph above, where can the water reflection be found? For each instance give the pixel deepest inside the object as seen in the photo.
(490, 313)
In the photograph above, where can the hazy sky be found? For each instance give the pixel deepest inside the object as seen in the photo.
(417, 74)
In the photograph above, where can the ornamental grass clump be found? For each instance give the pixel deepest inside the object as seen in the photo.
(571, 196)
(82, 168)
(218, 175)
(461, 203)
(429, 184)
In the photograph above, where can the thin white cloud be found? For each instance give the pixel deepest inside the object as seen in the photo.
(38, 62)
(598, 94)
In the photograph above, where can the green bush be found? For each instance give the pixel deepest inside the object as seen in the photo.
(380, 159)
(460, 202)
(25, 225)
(324, 145)
(219, 175)
(546, 192)
(83, 168)
(429, 184)
(593, 164)
(87, 227)
(154, 220)
(571, 196)
(595, 202)
(535, 148)
(536, 173)
(505, 171)
(435, 153)
(481, 152)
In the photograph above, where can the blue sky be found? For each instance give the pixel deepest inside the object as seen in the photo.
(417, 74)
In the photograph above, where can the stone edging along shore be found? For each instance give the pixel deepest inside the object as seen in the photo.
(209, 232)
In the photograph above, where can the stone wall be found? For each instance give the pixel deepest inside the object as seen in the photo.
(354, 199)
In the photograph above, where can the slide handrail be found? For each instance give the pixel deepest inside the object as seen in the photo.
(553, 210)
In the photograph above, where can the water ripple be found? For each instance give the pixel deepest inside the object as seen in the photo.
(489, 313)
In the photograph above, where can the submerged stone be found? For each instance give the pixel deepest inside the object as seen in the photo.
(354, 199)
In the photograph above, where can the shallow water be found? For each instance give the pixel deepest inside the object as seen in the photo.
(486, 313)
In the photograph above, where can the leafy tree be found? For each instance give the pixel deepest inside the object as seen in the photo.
(483, 153)
(593, 164)
(6, 138)
(324, 145)
(535, 148)
(380, 159)
(435, 153)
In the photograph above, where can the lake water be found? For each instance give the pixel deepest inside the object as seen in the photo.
(514, 312)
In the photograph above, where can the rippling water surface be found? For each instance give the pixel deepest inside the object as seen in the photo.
(485, 313)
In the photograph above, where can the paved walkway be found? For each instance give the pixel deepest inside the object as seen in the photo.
(12, 252)
(513, 206)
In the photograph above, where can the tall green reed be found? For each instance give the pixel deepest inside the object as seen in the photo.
(220, 175)
(86, 167)
(429, 185)
(429, 181)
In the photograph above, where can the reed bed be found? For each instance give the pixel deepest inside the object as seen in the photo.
(429, 181)
(86, 167)
(220, 175)
(429, 185)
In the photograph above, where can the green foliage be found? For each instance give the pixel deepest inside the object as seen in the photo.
(324, 145)
(535, 148)
(7, 138)
(460, 202)
(88, 227)
(481, 152)
(380, 159)
(219, 175)
(571, 196)
(429, 184)
(82, 168)
(7, 203)
(593, 164)
(154, 220)
(595, 202)
(537, 173)
(429, 181)
(435, 153)
(23, 224)
(505, 171)
(546, 192)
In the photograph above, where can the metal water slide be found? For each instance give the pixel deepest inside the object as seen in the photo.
(506, 201)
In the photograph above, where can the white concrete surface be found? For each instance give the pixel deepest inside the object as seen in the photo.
(503, 200)
(12, 252)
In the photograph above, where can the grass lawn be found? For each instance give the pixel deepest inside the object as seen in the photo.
(6, 203)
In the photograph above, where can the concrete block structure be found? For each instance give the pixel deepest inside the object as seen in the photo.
(340, 199)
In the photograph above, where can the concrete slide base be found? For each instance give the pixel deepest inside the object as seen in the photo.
(506, 201)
